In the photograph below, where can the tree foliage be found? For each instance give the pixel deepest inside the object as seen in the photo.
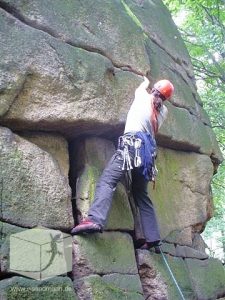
(202, 26)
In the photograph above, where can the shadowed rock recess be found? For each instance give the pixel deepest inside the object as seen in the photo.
(68, 72)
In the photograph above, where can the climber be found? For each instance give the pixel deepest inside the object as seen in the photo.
(136, 152)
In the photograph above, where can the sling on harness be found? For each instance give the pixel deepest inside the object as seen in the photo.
(144, 147)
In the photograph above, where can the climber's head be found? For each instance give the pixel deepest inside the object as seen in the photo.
(163, 89)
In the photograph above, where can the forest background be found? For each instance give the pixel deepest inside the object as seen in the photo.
(202, 26)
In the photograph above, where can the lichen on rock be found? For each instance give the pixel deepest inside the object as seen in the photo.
(69, 70)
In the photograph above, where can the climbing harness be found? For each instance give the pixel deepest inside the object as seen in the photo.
(124, 144)
(143, 150)
(171, 274)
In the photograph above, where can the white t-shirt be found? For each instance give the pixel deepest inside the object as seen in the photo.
(140, 113)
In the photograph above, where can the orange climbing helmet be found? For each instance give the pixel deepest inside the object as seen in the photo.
(165, 88)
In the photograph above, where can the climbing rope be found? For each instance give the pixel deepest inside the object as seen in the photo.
(171, 274)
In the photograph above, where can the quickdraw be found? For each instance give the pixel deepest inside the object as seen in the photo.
(125, 142)
(137, 157)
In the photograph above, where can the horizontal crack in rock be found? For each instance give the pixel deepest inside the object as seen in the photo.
(35, 25)
(47, 30)
(177, 60)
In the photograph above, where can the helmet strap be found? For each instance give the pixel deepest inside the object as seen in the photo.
(156, 93)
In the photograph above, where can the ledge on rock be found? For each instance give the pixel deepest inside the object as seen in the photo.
(180, 237)
(188, 252)
(109, 252)
(185, 131)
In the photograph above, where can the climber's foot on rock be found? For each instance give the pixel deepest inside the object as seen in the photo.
(86, 226)
(152, 246)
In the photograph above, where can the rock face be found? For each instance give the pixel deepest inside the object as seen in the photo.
(68, 73)
(114, 286)
(182, 197)
(191, 276)
(99, 254)
(6, 230)
(34, 190)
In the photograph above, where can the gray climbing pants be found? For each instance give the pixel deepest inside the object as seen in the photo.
(105, 188)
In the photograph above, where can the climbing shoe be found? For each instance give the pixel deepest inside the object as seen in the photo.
(86, 226)
(151, 246)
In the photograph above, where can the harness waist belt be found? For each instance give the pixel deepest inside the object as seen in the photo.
(144, 147)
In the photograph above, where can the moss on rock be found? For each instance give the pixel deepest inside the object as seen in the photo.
(109, 252)
(97, 288)
(57, 288)
(207, 276)
(34, 191)
(181, 194)
(156, 279)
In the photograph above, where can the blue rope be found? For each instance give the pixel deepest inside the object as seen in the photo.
(171, 274)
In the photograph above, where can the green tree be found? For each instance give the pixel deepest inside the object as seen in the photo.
(202, 26)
